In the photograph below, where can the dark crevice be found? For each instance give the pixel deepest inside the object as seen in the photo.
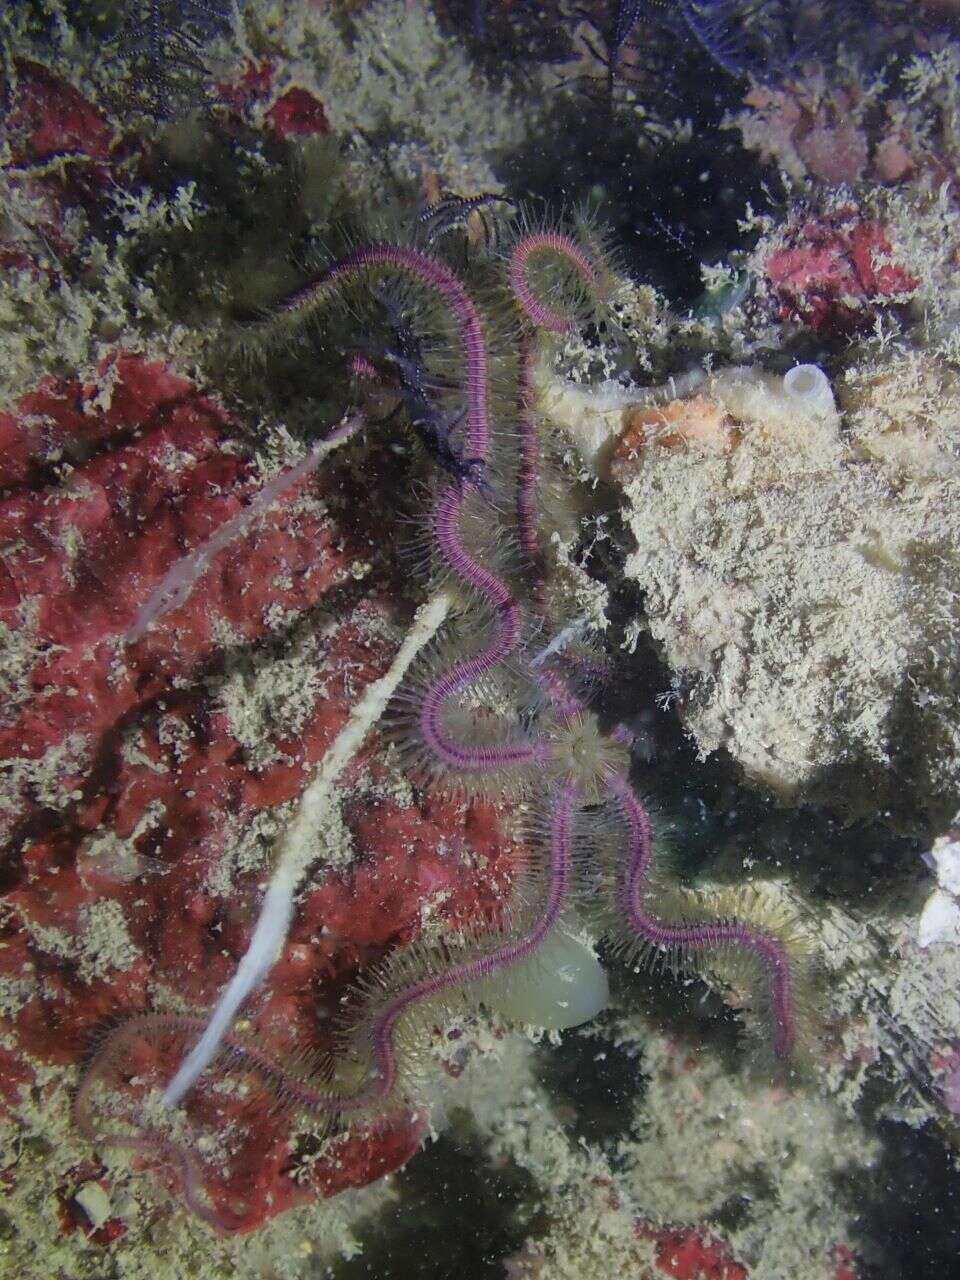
(459, 1216)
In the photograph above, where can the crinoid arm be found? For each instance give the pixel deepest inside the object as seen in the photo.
(164, 41)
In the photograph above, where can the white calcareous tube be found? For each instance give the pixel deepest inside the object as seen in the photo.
(180, 579)
(810, 387)
(300, 844)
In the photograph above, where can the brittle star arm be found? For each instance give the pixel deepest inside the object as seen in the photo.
(685, 938)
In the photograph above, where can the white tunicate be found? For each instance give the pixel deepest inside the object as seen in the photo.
(809, 386)
(563, 985)
(945, 856)
(95, 1203)
(939, 921)
(940, 918)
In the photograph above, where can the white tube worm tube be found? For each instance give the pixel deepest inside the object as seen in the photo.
(299, 846)
(180, 579)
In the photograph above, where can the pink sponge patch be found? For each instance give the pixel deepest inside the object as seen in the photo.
(834, 272)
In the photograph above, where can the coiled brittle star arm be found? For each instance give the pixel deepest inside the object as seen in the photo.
(438, 278)
(491, 961)
(545, 317)
(435, 276)
(548, 244)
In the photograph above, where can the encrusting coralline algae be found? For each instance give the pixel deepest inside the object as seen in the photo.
(745, 519)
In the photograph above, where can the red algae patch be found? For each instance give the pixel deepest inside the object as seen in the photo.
(690, 1255)
(143, 784)
(50, 118)
(297, 114)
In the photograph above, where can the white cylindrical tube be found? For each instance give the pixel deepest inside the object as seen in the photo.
(810, 387)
